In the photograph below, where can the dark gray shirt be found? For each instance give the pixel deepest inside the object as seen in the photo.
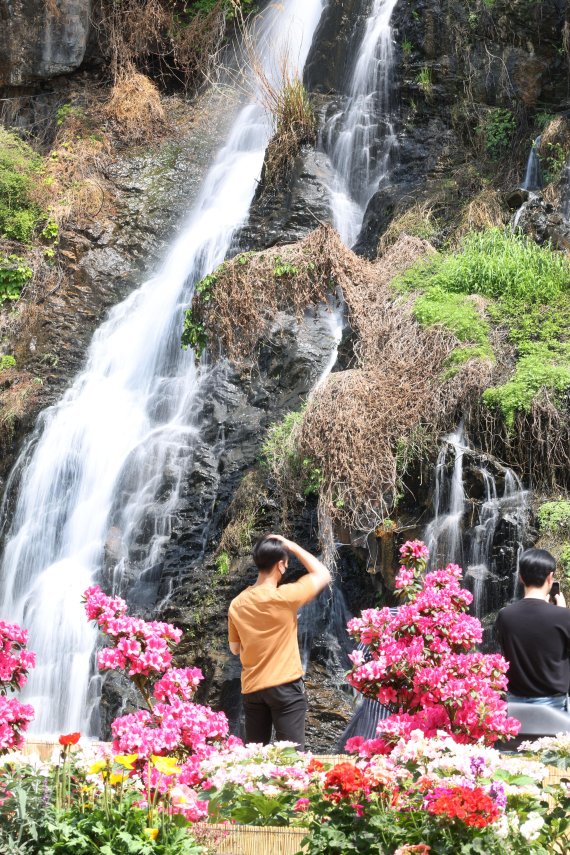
(535, 640)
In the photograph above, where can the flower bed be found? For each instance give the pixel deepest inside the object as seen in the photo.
(174, 782)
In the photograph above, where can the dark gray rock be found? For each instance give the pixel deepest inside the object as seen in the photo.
(286, 213)
(39, 40)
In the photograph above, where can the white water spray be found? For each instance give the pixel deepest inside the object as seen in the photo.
(129, 417)
(360, 139)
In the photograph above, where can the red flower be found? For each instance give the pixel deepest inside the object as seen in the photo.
(472, 806)
(346, 780)
(69, 738)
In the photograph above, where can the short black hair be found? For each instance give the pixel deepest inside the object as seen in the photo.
(267, 552)
(535, 565)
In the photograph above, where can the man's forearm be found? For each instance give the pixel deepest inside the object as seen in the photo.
(309, 562)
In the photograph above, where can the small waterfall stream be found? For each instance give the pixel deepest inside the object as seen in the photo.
(532, 182)
(484, 534)
(360, 138)
(533, 179)
(126, 420)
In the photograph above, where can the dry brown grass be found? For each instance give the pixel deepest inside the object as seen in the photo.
(243, 514)
(149, 35)
(484, 211)
(18, 391)
(417, 221)
(354, 425)
(557, 132)
(135, 107)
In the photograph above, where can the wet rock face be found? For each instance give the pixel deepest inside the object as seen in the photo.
(287, 212)
(101, 263)
(510, 55)
(40, 39)
(542, 220)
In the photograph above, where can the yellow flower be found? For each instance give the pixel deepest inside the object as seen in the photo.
(165, 765)
(98, 766)
(117, 778)
(151, 833)
(126, 760)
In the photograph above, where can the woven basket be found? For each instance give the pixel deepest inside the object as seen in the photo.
(250, 839)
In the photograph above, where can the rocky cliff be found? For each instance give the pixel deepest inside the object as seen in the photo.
(40, 39)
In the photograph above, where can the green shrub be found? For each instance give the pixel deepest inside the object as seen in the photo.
(424, 80)
(7, 361)
(14, 273)
(194, 334)
(526, 287)
(19, 167)
(499, 127)
(554, 517)
(223, 564)
(280, 454)
(565, 563)
(455, 312)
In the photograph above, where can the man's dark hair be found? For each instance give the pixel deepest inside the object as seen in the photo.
(267, 552)
(535, 565)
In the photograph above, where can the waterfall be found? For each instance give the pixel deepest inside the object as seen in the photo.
(129, 418)
(444, 535)
(360, 138)
(533, 176)
(485, 533)
(325, 619)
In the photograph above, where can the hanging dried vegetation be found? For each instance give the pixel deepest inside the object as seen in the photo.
(357, 428)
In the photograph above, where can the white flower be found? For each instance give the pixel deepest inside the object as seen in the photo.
(530, 829)
(501, 828)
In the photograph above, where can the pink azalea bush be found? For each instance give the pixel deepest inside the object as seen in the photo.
(171, 724)
(423, 663)
(15, 663)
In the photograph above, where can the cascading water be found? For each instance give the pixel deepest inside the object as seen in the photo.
(533, 179)
(129, 417)
(485, 533)
(360, 138)
(444, 534)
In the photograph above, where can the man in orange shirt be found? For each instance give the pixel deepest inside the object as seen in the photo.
(262, 628)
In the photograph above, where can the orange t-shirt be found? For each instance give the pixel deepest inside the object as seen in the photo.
(263, 619)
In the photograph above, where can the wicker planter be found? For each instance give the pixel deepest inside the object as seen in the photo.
(251, 839)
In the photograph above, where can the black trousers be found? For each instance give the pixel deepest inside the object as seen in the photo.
(284, 707)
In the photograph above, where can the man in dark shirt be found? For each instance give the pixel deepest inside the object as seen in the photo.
(534, 636)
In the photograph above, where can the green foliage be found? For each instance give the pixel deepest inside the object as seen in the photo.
(565, 563)
(499, 127)
(194, 334)
(14, 273)
(65, 111)
(532, 373)
(50, 231)
(223, 564)
(406, 49)
(455, 312)
(554, 517)
(252, 808)
(280, 454)
(284, 268)
(19, 167)
(205, 287)
(526, 287)
(543, 118)
(553, 159)
(424, 80)
(7, 361)
(460, 355)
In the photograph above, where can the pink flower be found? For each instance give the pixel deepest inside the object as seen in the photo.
(301, 805)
